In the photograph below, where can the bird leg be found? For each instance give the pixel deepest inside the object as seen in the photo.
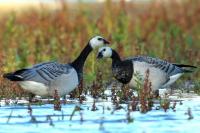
(31, 96)
(156, 93)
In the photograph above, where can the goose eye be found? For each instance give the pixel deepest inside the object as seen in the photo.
(104, 49)
(99, 39)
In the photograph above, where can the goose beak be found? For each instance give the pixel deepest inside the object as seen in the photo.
(100, 55)
(105, 41)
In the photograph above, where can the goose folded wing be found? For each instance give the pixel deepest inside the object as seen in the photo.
(164, 66)
(44, 72)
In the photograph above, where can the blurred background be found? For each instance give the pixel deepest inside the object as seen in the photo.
(35, 31)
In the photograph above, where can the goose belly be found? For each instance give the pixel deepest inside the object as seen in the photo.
(156, 76)
(34, 87)
(65, 83)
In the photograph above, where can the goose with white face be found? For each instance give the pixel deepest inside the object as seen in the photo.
(98, 41)
(104, 52)
(44, 78)
(161, 73)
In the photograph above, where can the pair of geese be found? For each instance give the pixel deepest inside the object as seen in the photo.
(42, 79)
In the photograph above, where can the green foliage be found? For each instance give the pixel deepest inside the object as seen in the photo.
(139, 81)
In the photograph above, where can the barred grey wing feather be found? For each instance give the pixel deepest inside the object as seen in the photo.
(45, 72)
(168, 68)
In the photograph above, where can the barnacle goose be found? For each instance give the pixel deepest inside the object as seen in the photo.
(161, 73)
(42, 79)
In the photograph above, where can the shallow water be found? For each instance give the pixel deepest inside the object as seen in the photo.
(15, 118)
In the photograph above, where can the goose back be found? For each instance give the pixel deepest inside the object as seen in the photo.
(43, 72)
(166, 67)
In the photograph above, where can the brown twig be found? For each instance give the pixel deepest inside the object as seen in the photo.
(57, 103)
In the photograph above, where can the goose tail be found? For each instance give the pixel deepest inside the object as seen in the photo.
(14, 76)
(186, 68)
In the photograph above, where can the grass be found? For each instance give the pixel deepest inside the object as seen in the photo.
(169, 31)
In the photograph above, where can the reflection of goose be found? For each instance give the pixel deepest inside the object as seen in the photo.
(42, 79)
(161, 73)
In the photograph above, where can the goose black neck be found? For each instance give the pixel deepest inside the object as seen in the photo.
(115, 56)
(78, 63)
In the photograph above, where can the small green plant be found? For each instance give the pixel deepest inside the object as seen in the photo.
(128, 115)
(50, 120)
(9, 117)
(197, 87)
(189, 113)
(165, 103)
(94, 108)
(139, 81)
(76, 108)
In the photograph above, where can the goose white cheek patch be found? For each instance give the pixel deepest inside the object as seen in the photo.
(94, 42)
(106, 51)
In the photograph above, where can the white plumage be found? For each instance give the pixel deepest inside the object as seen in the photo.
(157, 77)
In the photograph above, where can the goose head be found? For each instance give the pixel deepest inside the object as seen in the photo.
(97, 41)
(104, 52)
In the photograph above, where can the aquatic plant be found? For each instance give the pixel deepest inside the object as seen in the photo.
(128, 116)
(94, 108)
(146, 95)
(189, 113)
(56, 103)
(76, 108)
(50, 120)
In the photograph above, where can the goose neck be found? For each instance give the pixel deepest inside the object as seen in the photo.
(78, 63)
(115, 56)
